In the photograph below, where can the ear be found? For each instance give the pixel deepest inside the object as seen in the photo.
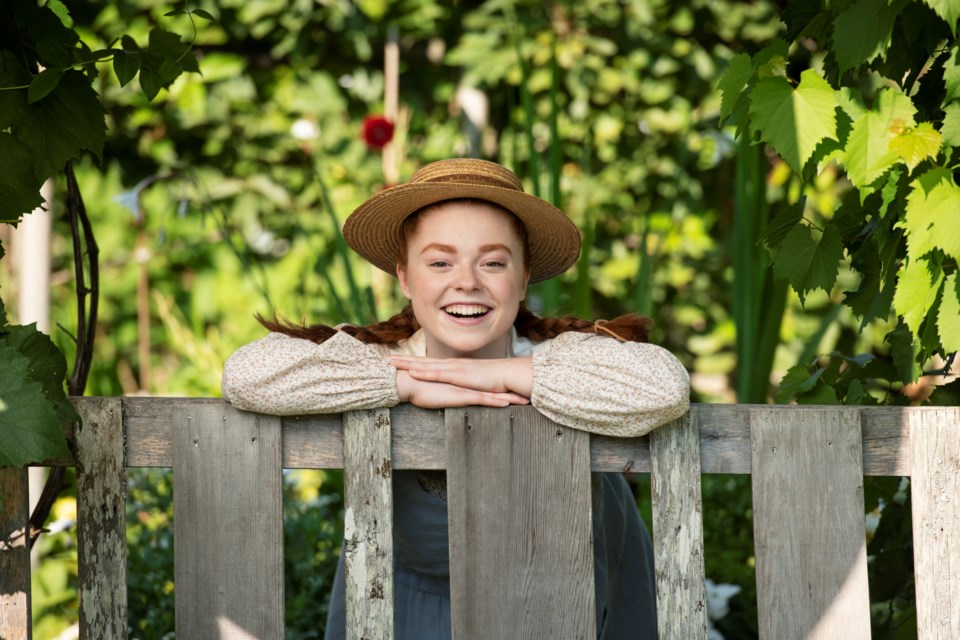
(526, 281)
(402, 278)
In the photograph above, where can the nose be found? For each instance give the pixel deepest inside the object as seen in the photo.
(467, 279)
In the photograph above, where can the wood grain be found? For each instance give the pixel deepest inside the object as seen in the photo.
(368, 525)
(228, 525)
(14, 555)
(678, 530)
(809, 532)
(935, 495)
(521, 552)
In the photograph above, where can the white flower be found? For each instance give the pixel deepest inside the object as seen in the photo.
(303, 129)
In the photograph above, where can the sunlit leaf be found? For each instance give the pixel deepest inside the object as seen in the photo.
(771, 61)
(951, 125)
(867, 155)
(917, 286)
(949, 10)
(863, 31)
(948, 321)
(951, 76)
(809, 260)
(932, 218)
(916, 144)
(733, 81)
(60, 10)
(792, 121)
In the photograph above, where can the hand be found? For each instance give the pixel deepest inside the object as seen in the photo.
(439, 395)
(502, 375)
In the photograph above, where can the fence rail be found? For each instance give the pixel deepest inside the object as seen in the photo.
(807, 465)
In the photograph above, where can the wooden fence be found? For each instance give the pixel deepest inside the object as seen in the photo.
(514, 471)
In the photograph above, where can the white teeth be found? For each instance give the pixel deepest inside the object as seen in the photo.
(466, 309)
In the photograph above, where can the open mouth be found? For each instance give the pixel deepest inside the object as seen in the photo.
(467, 310)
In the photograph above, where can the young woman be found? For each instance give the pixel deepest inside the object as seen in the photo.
(464, 241)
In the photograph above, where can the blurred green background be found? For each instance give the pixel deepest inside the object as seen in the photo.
(224, 195)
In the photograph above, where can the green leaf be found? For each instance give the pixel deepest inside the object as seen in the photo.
(821, 395)
(30, 427)
(13, 102)
(951, 77)
(948, 321)
(58, 127)
(947, 395)
(949, 10)
(873, 298)
(200, 13)
(917, 286)
(916, 144)
(809, 261)
(771, 61)
(169, 71)
(932, 219)
(781, 225)
(150, 82)
(851, 102)
(794, 121)
(863, 31)
(60, 10)
(796, 381)
(732, 83)
(43, 83)
(951, 125)
(903, 350)
(19, 187)
(125, 65)
(867, 155)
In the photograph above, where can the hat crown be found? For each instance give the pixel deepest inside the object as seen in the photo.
(468, 171)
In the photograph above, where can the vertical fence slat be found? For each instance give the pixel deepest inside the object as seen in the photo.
(935, 494)
(519, 500)
(14, 555)
(228, 523)
(101, 520)
(678, 529)
(368, 524)
(809, 531)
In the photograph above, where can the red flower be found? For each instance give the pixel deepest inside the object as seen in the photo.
(377, 132)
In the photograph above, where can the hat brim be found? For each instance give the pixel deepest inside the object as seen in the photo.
(374, 229)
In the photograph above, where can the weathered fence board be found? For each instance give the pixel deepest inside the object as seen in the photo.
(14, 555)
(368, 525)
(935, 496)
(228, 524)
(519, 500)
(678, 530)
(809, 529)
(101, 521)
(315, 442)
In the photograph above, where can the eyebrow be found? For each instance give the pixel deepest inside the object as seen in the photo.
(447, 248)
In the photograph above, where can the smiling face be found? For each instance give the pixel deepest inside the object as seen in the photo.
(465, 276)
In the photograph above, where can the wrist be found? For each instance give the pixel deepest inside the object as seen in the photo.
(404, 385)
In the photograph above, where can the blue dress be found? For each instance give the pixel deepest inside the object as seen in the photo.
(623, 559)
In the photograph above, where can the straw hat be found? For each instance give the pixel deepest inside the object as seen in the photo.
(374, 229)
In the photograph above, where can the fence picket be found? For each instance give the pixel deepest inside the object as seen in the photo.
(14, 555)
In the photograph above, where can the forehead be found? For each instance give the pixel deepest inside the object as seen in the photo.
(456, 221)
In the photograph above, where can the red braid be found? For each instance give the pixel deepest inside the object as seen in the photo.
(399, 327)
(628, 328)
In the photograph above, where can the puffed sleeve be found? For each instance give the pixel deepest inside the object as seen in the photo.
(280, 375)
(598, 384)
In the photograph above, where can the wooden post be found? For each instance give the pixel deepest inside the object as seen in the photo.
(14, 555)
(935, 495)
(101, 521)
(678, 530)
(368, 524)
(521, 550)
(809, 531)
(228, 523)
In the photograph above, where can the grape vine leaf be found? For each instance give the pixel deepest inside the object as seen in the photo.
(16, 174)
(873, 297)
(43, 83)
(903, 351)
(867, 155)
(796, 381)
(949, 10)
(792, 121)
(918, 284)
(916, 144)
(951, 76)
(932, 219)
(30, 427)
(948, 321)
(13, 102)
(951, 125)
(733, 81)
(59, 126)
(809, 262)
(863, 31)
